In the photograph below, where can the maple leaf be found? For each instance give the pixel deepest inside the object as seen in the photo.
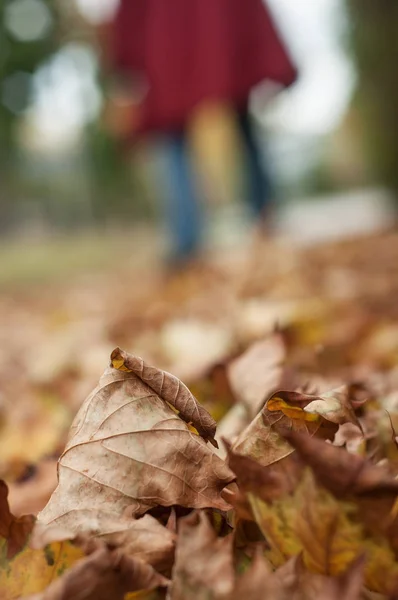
(129, 448)
(331, 514)
(209, 572)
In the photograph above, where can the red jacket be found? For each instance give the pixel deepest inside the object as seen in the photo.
(191, 50)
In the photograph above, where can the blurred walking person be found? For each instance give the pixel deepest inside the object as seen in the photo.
(179, 54)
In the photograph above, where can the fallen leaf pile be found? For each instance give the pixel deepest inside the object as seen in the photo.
(271, 473)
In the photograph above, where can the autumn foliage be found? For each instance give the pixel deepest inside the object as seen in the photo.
(271, 475)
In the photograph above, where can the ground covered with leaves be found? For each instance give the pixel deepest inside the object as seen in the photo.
(242, 444)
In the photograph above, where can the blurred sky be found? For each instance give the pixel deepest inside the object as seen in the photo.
(315, 31)
(66, 95)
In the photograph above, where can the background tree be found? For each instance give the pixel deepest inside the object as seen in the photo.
(24, 46)
(373, 41)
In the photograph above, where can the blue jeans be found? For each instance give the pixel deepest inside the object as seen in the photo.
(184, 214)
(259, 189)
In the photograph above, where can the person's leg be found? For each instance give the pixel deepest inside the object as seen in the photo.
(183, 211)
(259, 186)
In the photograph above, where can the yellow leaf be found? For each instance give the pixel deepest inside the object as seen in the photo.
(330, 539)
(31, 571)
(326, 531)
(294, 412)
(263, 438)
(24, 570)
(275, 521)
(118, 363)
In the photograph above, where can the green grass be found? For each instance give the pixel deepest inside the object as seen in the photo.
(26, 261)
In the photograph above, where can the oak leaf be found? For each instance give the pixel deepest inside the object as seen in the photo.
(128, 448)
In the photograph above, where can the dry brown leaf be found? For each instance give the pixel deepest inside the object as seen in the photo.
(257, 582)
(299, 584)
(144, 538)
(353, 511)
(170, 389)
(328, 532)
(257, 372)
(351, 477)
(103, 574)
(293, 582)
(231, 426)
(335, 406)
(264, 438)
(128, 448)
(203, 568)
(351, 437)
(252, 477)
(329, 511)
(342, 473)
(13, 531)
